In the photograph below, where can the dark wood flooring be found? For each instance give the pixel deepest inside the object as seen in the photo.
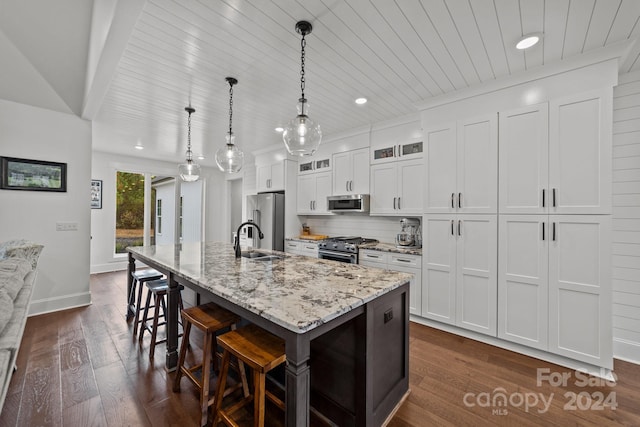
(81, 367)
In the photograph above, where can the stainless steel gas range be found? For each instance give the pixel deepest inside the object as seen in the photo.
(343, 248)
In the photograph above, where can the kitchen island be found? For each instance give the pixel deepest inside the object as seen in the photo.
(345, 326)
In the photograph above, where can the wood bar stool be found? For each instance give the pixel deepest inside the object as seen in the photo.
(260, 350)
(139, 278)
(210, 319)
(158, 290)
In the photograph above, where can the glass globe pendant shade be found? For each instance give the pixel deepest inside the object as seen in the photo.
(302, 135)
(189, 171)
(230, 158)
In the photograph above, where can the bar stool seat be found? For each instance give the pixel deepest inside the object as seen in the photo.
(210, 319)
(260, 350)
(135, 298)
(156, 289)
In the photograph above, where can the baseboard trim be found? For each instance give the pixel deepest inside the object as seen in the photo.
(577, 365)
(627, 351)
(109, 267)
(50, 305)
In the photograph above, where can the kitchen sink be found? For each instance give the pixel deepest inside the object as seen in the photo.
(260, 256)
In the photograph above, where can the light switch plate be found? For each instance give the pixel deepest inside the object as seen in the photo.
(66, 226)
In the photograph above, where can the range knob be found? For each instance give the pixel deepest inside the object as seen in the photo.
(335, 245)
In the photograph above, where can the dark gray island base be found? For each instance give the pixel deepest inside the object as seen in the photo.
(345, 326)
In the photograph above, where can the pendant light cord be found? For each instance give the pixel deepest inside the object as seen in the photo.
(303, 44)
(189, 154)
(230, 111)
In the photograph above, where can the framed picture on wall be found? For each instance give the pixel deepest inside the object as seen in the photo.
(96, 194)
(33, 175)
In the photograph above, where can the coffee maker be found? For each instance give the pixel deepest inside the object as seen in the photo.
(410, 234)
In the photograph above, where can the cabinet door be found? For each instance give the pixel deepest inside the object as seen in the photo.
(477, 165)
(360, 176)
(410, 186)
(263, 177)
(306, 194)
(440, 176)
(476, 273)
(384, 197)
(322, 191)
(341, 173)
(410, 264)
(580, 153)
(524, 160)
(580, 288)
(523, 286)
(277, 177)
(438, 268)
(369, 257)
(292, 247)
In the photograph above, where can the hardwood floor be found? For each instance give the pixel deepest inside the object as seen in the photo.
(82, 367)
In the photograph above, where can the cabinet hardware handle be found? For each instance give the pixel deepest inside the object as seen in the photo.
(314, 205)
(554, 197)
(453, 196)
(346, 184)
(452, 233)
(394, 151)
(403, 260)
(399, 151)
(350, 185)
(394, 202)
(399, 203)
(310, 205)
(543, 197)
(553, 235)
(459, 232)
(459, 200)
(543, 231)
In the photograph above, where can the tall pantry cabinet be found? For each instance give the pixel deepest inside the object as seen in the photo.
(554, 281)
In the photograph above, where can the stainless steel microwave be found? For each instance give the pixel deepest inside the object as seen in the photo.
(348, 203)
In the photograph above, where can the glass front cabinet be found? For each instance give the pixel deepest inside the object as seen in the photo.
(314, 165)
(407, 150)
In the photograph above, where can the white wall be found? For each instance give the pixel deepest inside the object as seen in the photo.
(103, 220)
(63, 268)
(626, 218)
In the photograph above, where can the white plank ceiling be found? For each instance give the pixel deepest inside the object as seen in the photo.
(394, 52)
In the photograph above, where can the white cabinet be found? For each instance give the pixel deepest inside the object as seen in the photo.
(270, 177)
(313, 165)
(556, 157)
(396, 188)
(462, 166)
(351, 172)
(554, 284)
(459, 267)
(296, 247)
(393, 152)
(398, 262)
(313, 190)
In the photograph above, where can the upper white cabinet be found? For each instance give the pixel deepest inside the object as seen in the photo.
(524, 160)
(459, 267)
(270, 177)
(462, 166)
(313, 190)
(580, 153)
(351, 172)
(392, 152)
(556, 157)
(314, 165)
(396, 188)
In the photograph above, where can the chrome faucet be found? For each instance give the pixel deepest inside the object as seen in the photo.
(236, 243)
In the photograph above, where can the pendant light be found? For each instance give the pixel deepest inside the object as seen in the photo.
(190, 170)
(302, 135)
(230, 158)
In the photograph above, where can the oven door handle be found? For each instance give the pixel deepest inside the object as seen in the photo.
(343, 255)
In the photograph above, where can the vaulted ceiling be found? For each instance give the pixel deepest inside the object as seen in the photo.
(146, 60)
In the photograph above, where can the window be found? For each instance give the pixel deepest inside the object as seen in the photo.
(159, 215)
(129, 210)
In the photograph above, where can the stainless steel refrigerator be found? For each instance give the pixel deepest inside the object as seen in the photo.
(267, 210)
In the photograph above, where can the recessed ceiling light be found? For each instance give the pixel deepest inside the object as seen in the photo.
(361, 101)
(201, 157)
(139, 147)
(279, 129)
(528, 41)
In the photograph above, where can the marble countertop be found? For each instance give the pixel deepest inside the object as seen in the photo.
(391, 247)
(296, 292)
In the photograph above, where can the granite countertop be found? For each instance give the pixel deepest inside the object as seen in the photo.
(296, 292)
(391, 247)
(299, 239)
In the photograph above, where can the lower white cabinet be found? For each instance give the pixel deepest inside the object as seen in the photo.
(554, 284)
(398, 262)
(296, 247)
(459, 263)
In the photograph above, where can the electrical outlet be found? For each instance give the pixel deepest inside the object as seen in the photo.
(388, 315)
(66, 226)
